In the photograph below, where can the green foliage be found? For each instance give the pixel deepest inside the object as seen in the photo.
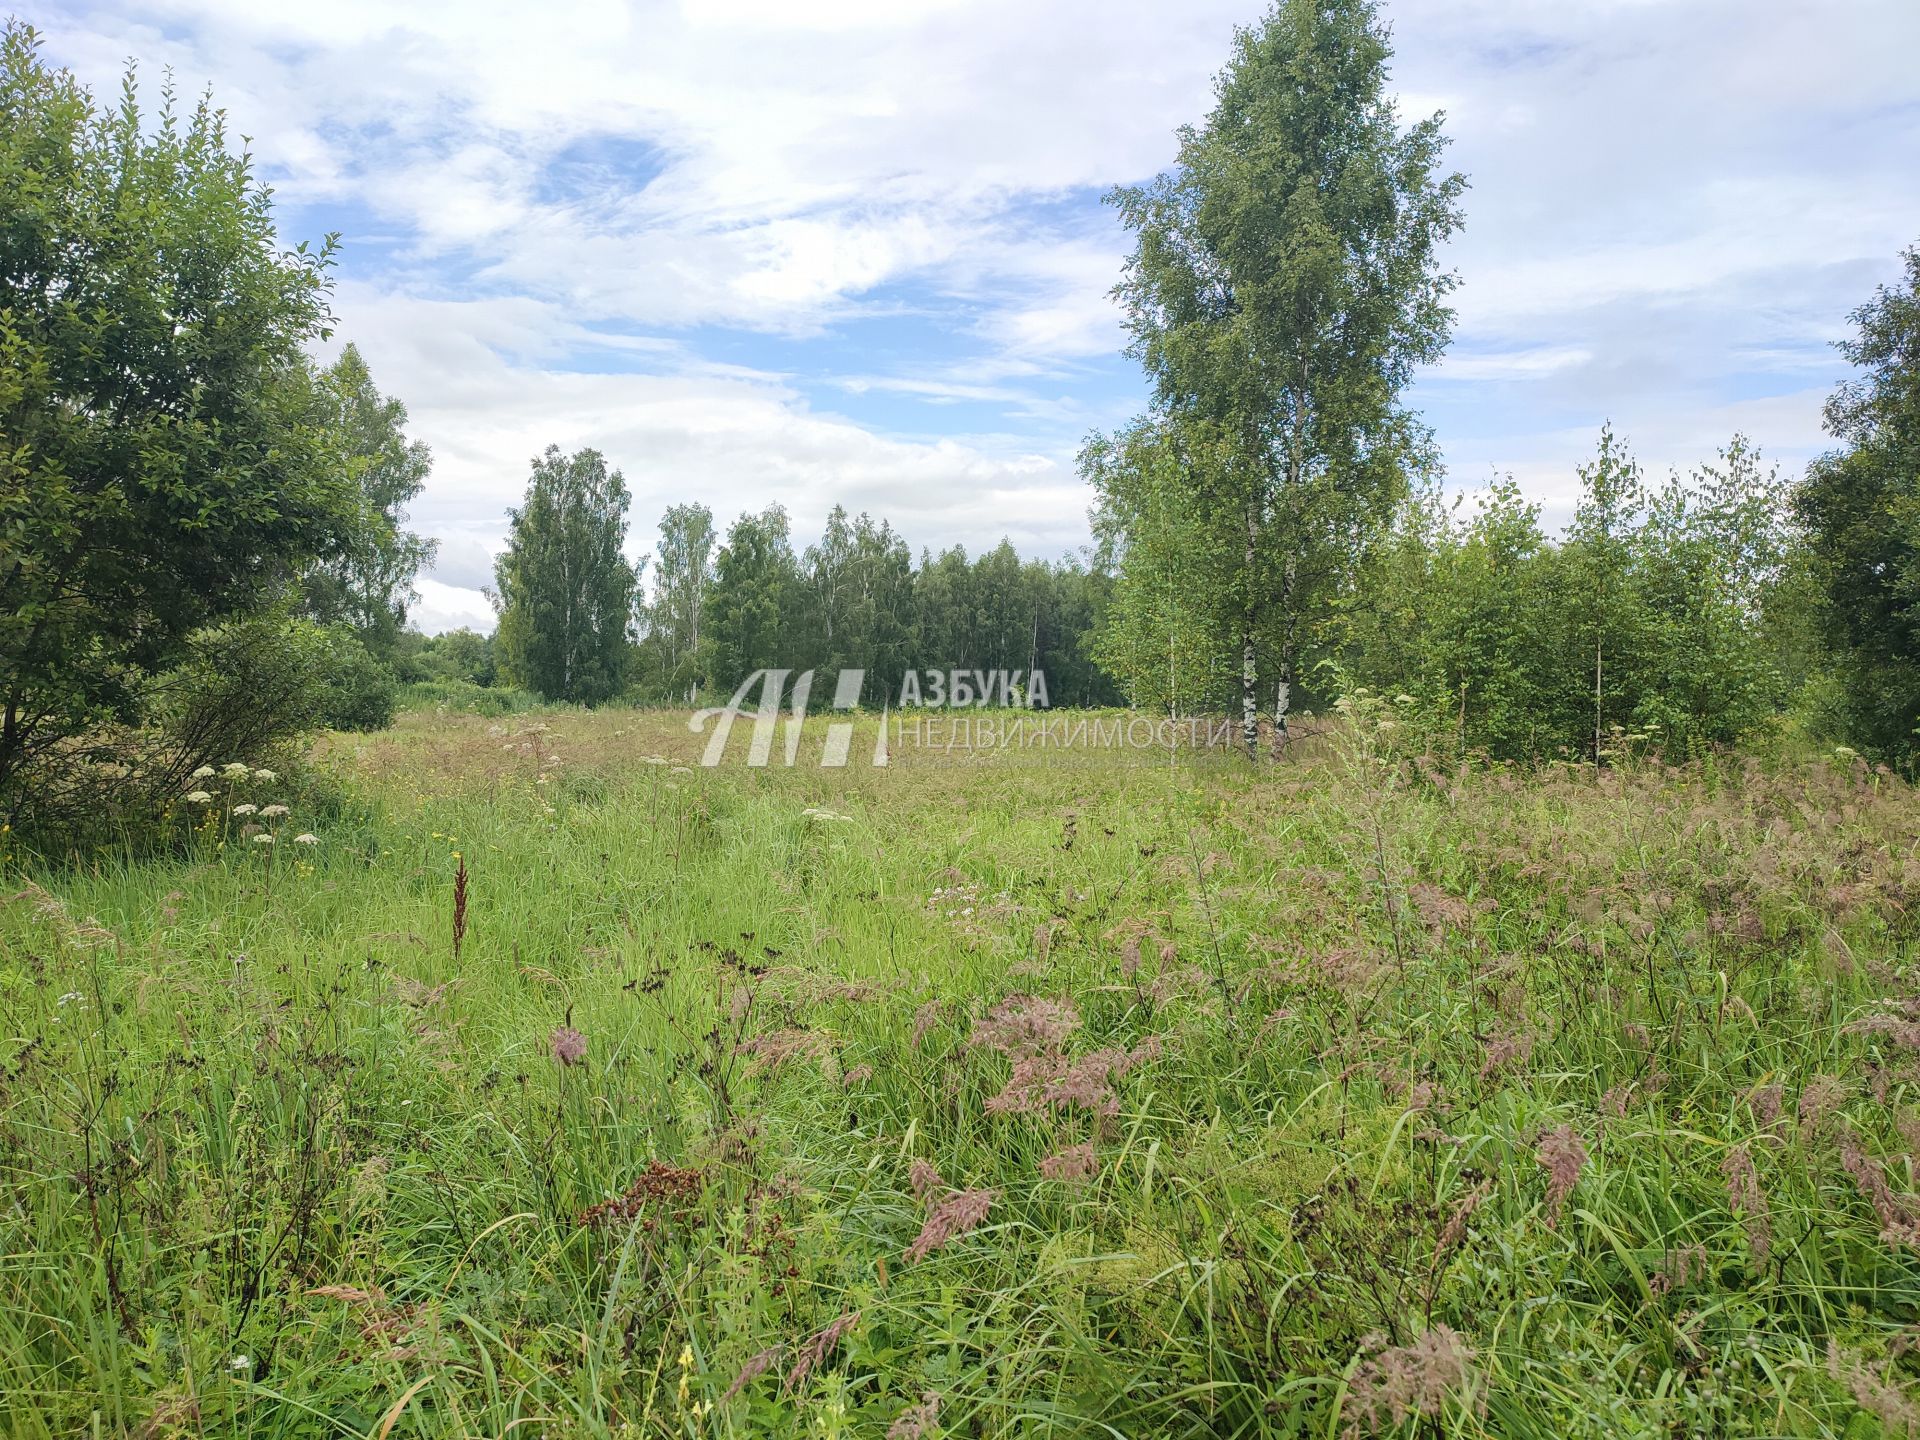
(246, 691)
(1861, 508)
(368, 580)
(673, 647)
(565, 590)
(856, 588)
(1284, 282)
(463, 697)
(464, 655)
(166, 456)
(359, 691)
(753, 613)
(1657, 619)
(1168, 635)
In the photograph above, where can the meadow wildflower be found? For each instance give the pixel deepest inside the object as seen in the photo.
(199, 797)
(1749, 1201)
(1874, 1393)
(263, 839)
(777, 1047)
(923, 1179)
(923, 1020)
(1455, 1229)
(267, 776)
(1395, 1384)
(1898, 1224)
(756, 1366)
(915, 1421)
(569, 1046)
(309, 838)
(234, 770)
(204, 772)
(1021, 1025)
(819, 1346)
(1564, 1154)
(1819, 1098)
(953, 1217)
(244, 809)
(1072, 1164)
(273, 812)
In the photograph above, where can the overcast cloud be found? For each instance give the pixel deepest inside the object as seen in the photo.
(853, 250)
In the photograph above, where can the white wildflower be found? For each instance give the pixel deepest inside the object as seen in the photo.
(245, 809)
(263, 839)
(308, 839)
(199, 797)
(273, 811)
(234, 770)
(266, 775)
(205, 772)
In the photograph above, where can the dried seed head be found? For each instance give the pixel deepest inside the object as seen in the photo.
(569, 1046)
(1564, 1154)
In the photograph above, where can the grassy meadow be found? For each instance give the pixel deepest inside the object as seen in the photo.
(1010, 1093)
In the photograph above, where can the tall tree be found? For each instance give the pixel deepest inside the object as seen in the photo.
(565, 589)
(682, 579)
(1861, 508)
(1169, 633)
(165, 454)
(753, 608)
(367, 581)
(1284, 283)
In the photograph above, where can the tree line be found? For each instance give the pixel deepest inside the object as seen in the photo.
(704, 612)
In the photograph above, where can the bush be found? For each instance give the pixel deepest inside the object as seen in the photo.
(462, 697)
(359, 692)
(248, 691)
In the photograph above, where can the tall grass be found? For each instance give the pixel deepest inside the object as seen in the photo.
(977, 1095)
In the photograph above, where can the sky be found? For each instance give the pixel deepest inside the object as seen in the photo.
(855, 251)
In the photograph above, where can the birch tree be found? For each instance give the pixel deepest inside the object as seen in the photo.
(565, 589)
(1283, 285)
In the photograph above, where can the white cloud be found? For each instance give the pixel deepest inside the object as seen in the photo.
(623, 224)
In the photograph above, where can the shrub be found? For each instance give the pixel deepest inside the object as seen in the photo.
(358, 691)
(247, 692)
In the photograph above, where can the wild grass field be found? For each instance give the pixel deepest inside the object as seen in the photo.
(1064, 1093)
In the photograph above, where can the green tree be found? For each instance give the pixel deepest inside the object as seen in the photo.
(1169, 632)
(1861, 508)
(682, 581)
(1283, 285)
(753, 610)
(463, 654)
(368, 581)
(166, 457)
(943, 610)
(564, 589)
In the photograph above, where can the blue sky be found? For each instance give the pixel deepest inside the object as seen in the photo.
(854, 250)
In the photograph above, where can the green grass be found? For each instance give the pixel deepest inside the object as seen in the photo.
(253, 1106)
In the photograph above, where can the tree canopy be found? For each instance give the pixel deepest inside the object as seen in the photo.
(167, 457)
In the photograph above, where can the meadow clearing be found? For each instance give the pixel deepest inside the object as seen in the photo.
(1065, 1093)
